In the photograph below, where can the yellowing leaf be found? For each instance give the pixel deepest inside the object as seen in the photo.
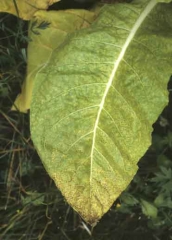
(95, 101)
(25, 9)
(44, 43)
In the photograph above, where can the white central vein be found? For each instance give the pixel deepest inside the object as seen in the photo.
(131, 35)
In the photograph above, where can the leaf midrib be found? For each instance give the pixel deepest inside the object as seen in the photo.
(131, 35)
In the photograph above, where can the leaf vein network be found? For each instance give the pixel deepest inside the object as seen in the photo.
(73, 113)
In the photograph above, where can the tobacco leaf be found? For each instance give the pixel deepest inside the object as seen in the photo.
(95, 101)
(25, 9)
(45, 41)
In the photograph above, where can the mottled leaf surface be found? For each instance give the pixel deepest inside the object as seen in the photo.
(94, 103)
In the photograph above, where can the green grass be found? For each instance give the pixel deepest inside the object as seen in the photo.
(31, 207)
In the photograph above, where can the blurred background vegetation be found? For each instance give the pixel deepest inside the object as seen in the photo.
(31, 207)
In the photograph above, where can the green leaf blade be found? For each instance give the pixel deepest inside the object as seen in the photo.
(90, 113)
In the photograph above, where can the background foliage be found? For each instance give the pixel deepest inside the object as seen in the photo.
(30, 204)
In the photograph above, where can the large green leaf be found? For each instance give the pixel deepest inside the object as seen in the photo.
(94, 103)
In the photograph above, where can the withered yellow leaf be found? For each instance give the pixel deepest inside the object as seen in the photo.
(43, 44)
(25, 9)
